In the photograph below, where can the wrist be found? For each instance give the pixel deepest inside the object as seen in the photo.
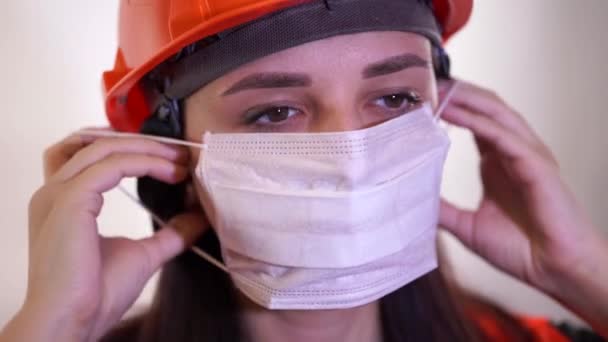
(582, 267)
(579, 280)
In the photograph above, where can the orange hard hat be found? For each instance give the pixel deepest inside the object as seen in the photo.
(151, 31)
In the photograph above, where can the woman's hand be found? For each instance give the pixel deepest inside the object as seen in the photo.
(528, 223)
(80, 283)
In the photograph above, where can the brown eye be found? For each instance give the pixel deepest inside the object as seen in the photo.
(394, 101)
(275, 115)
(398, 101)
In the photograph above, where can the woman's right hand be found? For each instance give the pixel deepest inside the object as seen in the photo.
(80, 283)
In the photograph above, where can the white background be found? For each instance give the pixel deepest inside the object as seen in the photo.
(547, 58)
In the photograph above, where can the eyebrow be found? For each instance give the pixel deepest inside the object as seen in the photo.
(394, 64)
(270, 80)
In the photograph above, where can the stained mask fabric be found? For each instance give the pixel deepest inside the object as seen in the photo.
(325, 220)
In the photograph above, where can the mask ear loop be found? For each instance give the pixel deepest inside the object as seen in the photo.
(111, 134)
(196, 250)
(162, 223)
(446, 100)
(156, 218)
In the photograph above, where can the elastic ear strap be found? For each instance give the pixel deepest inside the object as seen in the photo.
(108, 134)
(194, 249)
(446, 100)
(162, 223)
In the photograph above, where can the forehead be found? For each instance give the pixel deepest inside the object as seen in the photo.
(345, 53)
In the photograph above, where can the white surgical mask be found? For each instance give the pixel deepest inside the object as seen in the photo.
(325, 220)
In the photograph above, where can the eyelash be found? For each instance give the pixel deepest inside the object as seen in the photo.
(255, 118)
(411, 97)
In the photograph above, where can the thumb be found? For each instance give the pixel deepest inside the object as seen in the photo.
(457, 221)
(180, 233)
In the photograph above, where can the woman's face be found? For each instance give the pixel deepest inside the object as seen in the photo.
(336, 84)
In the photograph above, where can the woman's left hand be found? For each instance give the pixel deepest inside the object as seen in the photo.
(528, 223)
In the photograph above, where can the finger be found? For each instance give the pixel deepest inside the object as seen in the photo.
(502, 245)
(486, 102)
(181, 232)
(482, 146)
(107, 174)
(527, 162)
(478, 100)
(485, 129)
(81, 197)
(58, 154)
(457, 221)
(105, 147)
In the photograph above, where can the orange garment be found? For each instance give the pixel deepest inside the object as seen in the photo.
(540, 328)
